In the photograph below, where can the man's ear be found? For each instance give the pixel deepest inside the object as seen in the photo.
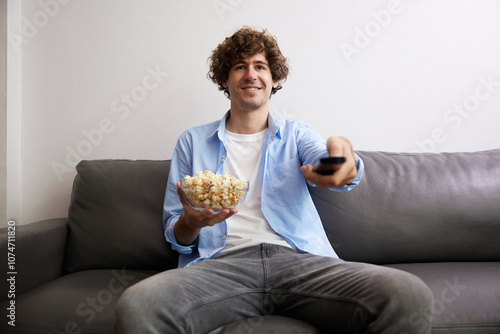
(224, 84)
(275, 84)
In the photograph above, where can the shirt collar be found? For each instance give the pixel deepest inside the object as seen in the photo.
(221, 129)
(273, 124)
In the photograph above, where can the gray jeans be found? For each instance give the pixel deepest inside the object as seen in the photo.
(334, 295)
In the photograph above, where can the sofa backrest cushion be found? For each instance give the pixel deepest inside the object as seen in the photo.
(115, 216)
(420, 207)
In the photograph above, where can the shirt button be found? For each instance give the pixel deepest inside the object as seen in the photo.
(224, 237)
(223, 156)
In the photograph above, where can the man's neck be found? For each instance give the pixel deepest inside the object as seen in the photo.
(247, 122)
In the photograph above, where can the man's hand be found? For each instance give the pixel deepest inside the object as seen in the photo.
(336, 147)
(191, 221)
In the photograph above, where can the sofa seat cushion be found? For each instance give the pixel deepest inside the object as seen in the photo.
(81, 302)
(466, 295)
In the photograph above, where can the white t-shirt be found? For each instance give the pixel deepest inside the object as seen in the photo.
(249, 226)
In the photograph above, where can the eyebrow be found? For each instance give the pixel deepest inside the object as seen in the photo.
(260, 62)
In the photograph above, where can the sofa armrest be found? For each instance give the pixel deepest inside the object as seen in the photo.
(39, 250)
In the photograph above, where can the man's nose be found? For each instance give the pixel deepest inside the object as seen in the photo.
(251, 74)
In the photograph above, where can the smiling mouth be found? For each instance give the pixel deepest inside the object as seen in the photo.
(251, 88)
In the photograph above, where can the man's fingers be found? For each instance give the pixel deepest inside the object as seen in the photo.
(181, 195)
(309, 174)
(339, 178)
(221, 216)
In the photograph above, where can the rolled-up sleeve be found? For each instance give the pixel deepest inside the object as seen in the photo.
(170, 236)
(360, 166)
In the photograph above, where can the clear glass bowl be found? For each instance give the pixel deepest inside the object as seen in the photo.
(215, 198)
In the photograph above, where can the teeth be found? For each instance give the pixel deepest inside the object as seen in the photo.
(251, 88)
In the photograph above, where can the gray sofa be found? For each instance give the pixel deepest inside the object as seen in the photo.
(434, 215)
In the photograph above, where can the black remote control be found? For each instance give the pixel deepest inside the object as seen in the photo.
(327, 166)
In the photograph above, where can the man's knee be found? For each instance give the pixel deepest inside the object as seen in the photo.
(412, 291)
(134, 307)
(410, 300)
(127, 307)
(147, 307)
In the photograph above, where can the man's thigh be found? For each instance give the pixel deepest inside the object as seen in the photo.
(347, 296)
(201, 297)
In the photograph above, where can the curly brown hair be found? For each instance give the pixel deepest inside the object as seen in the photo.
(245, 43)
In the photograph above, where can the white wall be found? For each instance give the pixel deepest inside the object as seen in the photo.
(389, 75)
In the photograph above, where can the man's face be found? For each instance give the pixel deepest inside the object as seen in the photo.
(250, 83)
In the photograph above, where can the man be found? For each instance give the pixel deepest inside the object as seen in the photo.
(271, 255)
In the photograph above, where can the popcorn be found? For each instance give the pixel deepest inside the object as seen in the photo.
(210, 191)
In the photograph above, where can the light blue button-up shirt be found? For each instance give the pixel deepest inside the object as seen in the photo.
(285, 199)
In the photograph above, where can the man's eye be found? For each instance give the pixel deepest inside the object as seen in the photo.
(241, 67)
